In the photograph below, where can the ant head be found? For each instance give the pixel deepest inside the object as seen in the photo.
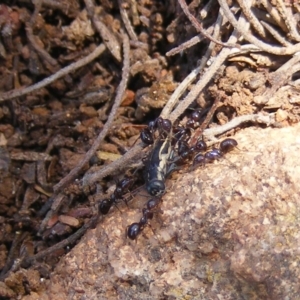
(165, 125)
(156, 187)
(104, 206)
(146, 136)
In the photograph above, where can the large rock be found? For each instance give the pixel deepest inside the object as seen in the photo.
(229, 230)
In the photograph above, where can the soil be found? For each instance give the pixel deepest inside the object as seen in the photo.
(51, 229)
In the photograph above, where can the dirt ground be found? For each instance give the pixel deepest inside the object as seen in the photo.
(79, 81)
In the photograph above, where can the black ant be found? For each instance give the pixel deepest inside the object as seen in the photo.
(225, 146)
(212, 155)
(135, 229)
(159, 163)
(157, 169)
(199, 159)
(185, 151)
(194, 119)
(181, 134)
(163, 126)
(200, 146)
(122, 187)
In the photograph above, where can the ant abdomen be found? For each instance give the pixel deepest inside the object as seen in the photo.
(134, 230)
(228, 145)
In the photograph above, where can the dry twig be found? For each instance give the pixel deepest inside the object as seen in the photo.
(211, 133)
(288, 19)
(188, 44)
(72, 67)
(74, 172)
(32, 38)
(192, 76)
(108, 38)
(126, 22)
(245, 6)
(289, 50)
(187, 101)
(279, 37)
(27, 261)
(199, 131)
(199, 27)
(274, 14)
(120, 93)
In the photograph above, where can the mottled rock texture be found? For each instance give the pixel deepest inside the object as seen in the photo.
(229, 230)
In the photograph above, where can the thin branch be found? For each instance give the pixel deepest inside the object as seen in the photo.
(275, 16)
(261, 15)
(252, 39)
(70, 240)
(288, 19)
(279, 37)
(199, 27)
(18, 239)
(195, 91)
(216, 34)
(199, 131)
(54, 203)
(65, 71)
(42, 52)
(245, 6)
(120, 164)
(126, 22)
(269, 119)
(120, 92)
(279, 78)
(211, 71)
(32, 38)
(215, 28)
(188, 44)
(207, 9)
(108, 38)
(192, 76)
(58, 197)
(178, 92)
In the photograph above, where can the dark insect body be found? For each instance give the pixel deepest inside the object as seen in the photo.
(105, 206)
(163, 126)
(200, 146)
(196, 116)
(135, 229)
(199, 159)
(191, 124)
(147, 215)
(212, 155)
(122, 187)
(168, 151)
(147, 136)
(184, 151)
(195, 119)
(153, 203)
(228, 145)
(182, 134)
(225, 146)
(157, 167)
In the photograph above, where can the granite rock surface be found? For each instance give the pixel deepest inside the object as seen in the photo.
(229, 230)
